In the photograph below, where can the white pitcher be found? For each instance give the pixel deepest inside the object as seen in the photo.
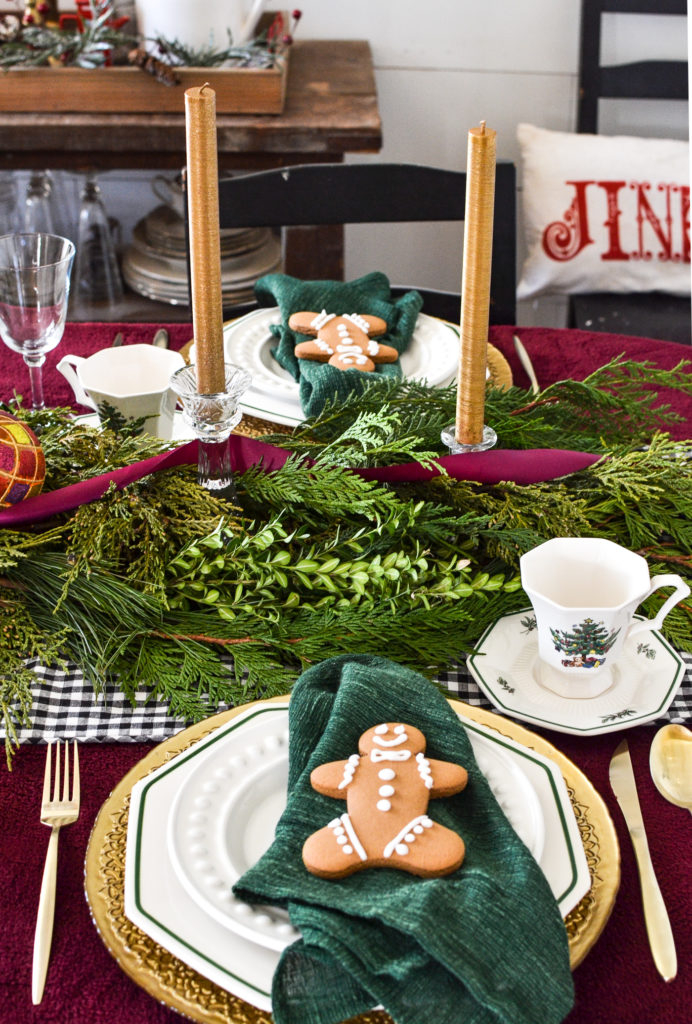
(197, 24)
(132, 380)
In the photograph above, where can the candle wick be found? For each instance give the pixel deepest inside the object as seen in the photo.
(482, 127)
(207, 86)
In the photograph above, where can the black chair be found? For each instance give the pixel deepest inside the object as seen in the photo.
(653, 314)
(319, 194)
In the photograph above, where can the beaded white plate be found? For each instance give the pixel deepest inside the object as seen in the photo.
(159, 904)
(225, 813)
(432, 355)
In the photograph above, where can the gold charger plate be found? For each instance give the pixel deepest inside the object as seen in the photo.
(176, 985)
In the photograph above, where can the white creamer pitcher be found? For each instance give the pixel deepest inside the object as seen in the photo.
(130, 381)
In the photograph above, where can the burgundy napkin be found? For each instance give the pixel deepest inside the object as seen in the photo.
(523, 467)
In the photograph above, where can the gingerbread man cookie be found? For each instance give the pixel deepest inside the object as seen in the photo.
(386, 786)
(347, 342)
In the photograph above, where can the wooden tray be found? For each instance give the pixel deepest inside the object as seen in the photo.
(130, 90)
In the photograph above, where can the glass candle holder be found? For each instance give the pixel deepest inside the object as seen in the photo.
(212, 418)
(448, 437)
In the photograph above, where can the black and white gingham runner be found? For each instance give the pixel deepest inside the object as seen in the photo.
(65, 707)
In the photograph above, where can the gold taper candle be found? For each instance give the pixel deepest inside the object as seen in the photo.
(205, 247)
(475, 284)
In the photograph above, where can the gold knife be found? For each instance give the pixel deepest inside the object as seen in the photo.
(655, 914)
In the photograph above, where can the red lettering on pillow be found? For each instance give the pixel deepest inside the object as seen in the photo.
(615, 250)
(563, 240)
(648, 219)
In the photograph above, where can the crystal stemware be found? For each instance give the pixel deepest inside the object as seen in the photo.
(38, 204)
(34, 288)
(97, 274)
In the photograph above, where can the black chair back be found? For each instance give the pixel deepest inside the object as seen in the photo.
(653, 314)
(317, 194)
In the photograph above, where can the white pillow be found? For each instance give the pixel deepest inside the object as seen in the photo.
(604, 213)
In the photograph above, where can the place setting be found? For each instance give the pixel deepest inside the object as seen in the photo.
(192, 818)
(579, 660)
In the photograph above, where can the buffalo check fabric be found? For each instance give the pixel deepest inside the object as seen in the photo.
(65, 706)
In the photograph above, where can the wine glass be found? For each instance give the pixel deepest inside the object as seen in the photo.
(34, 287)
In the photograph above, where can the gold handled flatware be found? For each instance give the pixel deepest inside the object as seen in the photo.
(160, 339)
(525, 360)
(670, 761)
(56, 810)
(655, 914)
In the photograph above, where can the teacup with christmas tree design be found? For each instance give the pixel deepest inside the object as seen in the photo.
(585, 592)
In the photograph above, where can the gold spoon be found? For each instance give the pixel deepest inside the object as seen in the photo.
(670, 762)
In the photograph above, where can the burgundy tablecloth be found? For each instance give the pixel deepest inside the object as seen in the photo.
(556, 353)
(616, 984)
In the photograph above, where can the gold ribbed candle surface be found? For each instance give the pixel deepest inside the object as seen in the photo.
(475, 284)
(205, 249)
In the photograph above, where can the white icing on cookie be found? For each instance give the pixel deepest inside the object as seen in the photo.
(349, 770)
(401, 736)
(394, 844)
(383, 805)
(321, 319)
(424, 770)
(351, 354)
(386, 774)
(354, 843)
(358, 321)
(389, 755)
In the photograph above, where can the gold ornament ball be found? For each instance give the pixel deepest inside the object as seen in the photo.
(22, 463)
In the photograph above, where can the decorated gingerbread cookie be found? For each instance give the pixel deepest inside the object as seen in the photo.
(347, 342)
(387, 786)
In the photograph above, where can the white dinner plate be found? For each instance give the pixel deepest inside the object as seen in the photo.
(238, 269)
(225, 814)
(161, 906)
(432, 355)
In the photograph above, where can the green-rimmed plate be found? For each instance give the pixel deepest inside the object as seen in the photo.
(179, 825)
(171, 980)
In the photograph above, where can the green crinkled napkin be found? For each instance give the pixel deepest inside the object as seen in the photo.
(320, 382)
(483, 945)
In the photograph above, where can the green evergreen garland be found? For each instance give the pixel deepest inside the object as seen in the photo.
(163, 586)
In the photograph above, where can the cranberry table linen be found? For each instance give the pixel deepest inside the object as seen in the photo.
(557, 354)
(616, 984)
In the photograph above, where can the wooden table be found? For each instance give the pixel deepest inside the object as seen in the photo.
(331, 109)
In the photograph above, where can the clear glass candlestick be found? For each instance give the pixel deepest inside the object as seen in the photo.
(448, 437)
(212, 418)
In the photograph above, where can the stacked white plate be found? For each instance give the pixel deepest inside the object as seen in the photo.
(432, 355)
(200, 820)
(155, 263)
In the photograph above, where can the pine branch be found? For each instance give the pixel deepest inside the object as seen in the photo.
(615, 405)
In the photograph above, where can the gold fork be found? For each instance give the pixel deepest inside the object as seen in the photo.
(55, 812)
